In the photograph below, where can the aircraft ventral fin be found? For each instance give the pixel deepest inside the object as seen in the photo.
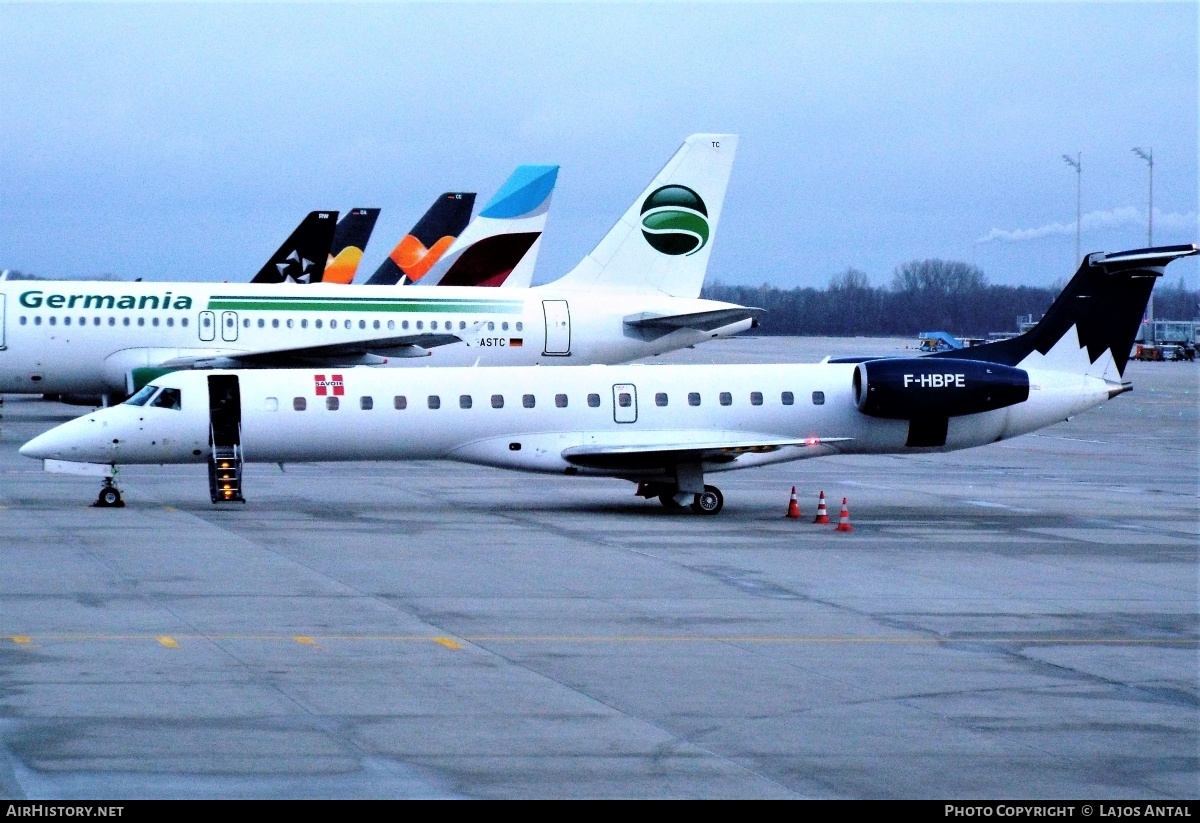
(631, 456)
(363, 352)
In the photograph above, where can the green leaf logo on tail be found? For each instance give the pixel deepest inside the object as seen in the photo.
(675, 221)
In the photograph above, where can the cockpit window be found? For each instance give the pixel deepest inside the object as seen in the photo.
(143, 395)
(168, 399)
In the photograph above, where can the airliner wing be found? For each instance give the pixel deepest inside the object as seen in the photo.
(652, 326)
(363, 352)
(671, 448)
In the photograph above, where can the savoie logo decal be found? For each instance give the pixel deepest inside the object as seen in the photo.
(675, 220)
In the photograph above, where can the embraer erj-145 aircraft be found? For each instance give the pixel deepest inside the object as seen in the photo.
(635, 294)
(664, 427)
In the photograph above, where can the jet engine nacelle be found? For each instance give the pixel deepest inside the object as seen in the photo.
(915, 387)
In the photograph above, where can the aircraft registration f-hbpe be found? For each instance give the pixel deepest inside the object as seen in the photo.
(663, 426)
(636, 294)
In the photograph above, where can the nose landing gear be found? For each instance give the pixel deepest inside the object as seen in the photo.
(109, 497)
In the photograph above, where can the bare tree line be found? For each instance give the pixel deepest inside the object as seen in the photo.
(924, 295)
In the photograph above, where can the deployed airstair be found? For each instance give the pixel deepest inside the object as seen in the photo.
(225, 435)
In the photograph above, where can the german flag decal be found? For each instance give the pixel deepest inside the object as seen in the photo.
(516, 342)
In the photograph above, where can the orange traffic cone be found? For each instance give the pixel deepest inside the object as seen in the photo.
(822, 512)
(793, 506)
(844, 521)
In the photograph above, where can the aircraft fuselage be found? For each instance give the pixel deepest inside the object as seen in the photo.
(87, 337)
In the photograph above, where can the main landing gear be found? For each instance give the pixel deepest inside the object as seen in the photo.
(709, 501)
(109, 497)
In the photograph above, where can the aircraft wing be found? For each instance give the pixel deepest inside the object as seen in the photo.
(672, 448)
(371, 352)
(652, 326)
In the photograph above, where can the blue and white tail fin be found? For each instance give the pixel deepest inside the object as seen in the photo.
(664, 240)
(500, 246)
(1091, 326)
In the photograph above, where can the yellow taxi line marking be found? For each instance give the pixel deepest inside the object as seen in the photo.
(307, 641)
(20, 638)
(168, 508)
(169, 642)
(447, 642)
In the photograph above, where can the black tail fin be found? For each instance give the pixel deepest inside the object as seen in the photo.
(1104, 302)
(302, 257)
(349, 243)
(418, 250)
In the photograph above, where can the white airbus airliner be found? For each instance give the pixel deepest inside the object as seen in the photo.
(635, 295)
(664, 427)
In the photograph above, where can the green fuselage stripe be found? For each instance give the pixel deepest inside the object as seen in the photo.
(361, 304)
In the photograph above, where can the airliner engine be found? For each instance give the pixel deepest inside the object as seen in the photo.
(914, 387)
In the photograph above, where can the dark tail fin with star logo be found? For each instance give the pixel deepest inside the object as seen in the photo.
(302, 257)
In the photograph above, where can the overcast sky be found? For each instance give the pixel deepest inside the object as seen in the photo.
(176, 142)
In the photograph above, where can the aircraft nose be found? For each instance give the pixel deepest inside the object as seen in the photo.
(65, 442)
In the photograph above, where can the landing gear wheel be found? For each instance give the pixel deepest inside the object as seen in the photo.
(668, 500)
(709, 501)
(109, 497)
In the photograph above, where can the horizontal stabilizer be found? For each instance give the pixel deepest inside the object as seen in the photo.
(651, 326)
(626, 456)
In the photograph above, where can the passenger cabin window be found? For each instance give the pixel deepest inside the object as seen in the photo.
(366, 403)
(725, 398)
(528, 401)
(787, 398)
(693, 398)
(755, 398)
(497, 401)
(818, 398)
(399, 402)
(560, 400)
(299, 403)
(435, 402)
(594, 401)
(271, 404)
(141, 396)
(624, 399)
(168, 399)
(464, 401)
(660, 399)
(332, 403)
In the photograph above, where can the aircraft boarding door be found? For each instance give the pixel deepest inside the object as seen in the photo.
(558, 327)
(229, 326)
(225, 434)
(3, 346)
(625, 403)
(207, 326)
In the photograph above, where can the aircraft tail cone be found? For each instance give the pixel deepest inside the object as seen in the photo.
(844, 521)
(793, 506)
(822, 512)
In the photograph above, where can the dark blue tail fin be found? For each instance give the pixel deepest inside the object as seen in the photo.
(1104, 303)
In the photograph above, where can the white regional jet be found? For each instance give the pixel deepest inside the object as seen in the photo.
(635, 295)
(664, 427)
